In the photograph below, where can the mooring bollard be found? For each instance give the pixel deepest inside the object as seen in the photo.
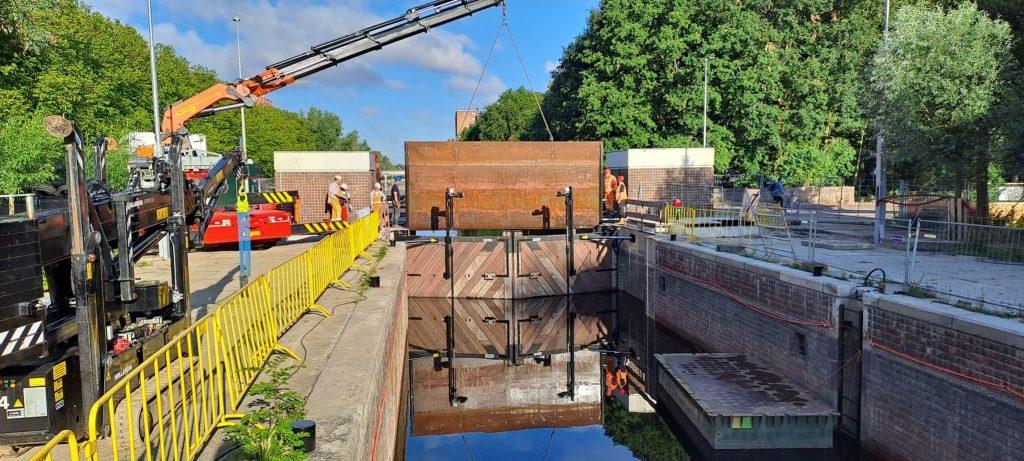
(305, 426)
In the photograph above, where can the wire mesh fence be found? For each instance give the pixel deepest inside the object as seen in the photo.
(970, 265)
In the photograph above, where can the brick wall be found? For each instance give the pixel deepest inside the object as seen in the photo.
(691, 185)
(312, 189)
(714, 322)
(911, 411)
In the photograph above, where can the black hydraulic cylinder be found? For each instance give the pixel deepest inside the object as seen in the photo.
(177, 233)
(84, 280)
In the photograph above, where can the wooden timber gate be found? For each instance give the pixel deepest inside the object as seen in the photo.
(513, 267)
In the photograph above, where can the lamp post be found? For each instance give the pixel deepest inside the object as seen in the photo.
(880, 180)
(242, 204)
(707, 61)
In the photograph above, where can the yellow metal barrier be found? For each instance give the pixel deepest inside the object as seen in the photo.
(170, 405)
(45, 453)
(681, 221)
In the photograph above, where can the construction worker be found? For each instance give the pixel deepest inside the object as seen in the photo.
(620, 198)
(346, 202)
(396, 201)
(334, 197)
(775, 190)
(609, 190)
(377, 199)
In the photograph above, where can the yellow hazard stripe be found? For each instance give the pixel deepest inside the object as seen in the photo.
(278, 197)
(325, 227)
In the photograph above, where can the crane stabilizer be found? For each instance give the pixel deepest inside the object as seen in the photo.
(323, 56)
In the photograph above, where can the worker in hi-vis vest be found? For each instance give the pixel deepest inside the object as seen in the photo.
(334, 196)
(609, 190)
(621, 197)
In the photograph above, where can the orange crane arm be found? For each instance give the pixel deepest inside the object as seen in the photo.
(243, 93)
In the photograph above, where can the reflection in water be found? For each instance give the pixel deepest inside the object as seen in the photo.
(527, 394)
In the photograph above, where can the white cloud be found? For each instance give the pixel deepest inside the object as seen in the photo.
(271, 31)
(490, 88)
(550, 67)
(369, 111)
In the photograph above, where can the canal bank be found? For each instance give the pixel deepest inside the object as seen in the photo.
(911, 379)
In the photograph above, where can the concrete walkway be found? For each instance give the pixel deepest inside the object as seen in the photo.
(213, 275)
(344, 357)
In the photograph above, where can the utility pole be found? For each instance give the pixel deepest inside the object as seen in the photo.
(242, 204)
(157, 149)
(707, 60)
(881, 190)
(165, 243)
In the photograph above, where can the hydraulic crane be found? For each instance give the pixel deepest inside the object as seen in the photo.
(244, 93)
(61, 349)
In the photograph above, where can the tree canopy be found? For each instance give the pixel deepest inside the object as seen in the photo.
(59, 57)
(938, 86)
(513, 117)
(787, 81)
(784, 80)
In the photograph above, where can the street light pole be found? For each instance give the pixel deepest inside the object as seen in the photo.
(242, 203)
(707, 60)
(881, 189)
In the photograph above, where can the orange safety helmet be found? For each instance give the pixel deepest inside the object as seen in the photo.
(677, 202)
(607, 171)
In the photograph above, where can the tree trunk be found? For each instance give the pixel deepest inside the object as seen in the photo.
(981, 181)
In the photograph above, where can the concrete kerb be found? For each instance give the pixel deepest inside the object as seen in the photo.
(1006, 331)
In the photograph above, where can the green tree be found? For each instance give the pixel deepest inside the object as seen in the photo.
(645, 434)
(59, 57)
(783, 84)
(22, 139)
(513, 117)
(938, 85)
(328, 133)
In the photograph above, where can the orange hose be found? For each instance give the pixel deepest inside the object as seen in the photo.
(751, 306)
(1000, 386)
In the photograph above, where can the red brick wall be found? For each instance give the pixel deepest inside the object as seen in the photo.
(691, 185)
(312, 189)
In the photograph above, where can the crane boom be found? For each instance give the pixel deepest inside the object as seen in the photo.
(243, 93)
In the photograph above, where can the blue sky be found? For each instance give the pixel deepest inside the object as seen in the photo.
(408, 91)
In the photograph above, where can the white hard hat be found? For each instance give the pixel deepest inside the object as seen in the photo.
(338, 177)
(344, 186)
(376, 185)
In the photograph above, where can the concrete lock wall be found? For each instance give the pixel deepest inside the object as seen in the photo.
(728, 303)
(918, 400)
(936, 382)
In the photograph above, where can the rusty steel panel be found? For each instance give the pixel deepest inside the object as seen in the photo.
(507, 185)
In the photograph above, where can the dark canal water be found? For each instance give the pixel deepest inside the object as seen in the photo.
(522, 393)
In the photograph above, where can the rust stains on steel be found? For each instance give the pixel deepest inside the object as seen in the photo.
(507, 185)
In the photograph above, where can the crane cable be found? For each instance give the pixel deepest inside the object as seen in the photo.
(522, 63)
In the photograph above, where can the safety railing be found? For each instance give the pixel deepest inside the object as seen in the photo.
(170, 405)
(46, 453)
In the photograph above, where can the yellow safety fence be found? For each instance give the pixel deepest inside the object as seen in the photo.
(169, 406)
(680, 221)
